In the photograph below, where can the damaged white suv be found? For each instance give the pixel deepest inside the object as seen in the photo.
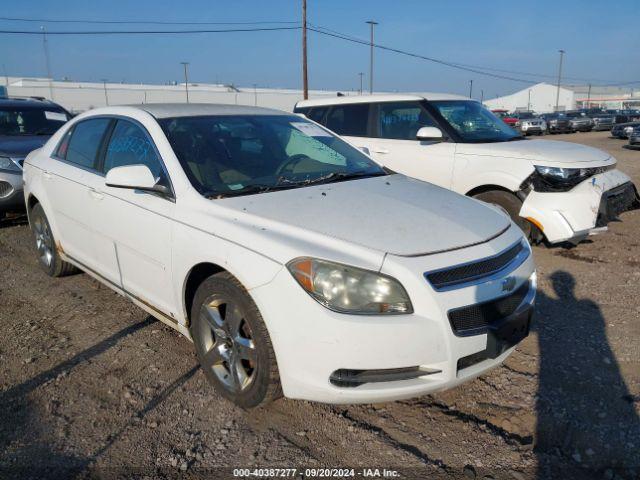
(556, 191)
(293, 261)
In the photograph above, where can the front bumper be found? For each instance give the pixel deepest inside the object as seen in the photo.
(571, 216)
(602, 126)
(11, 192)
(324, 356)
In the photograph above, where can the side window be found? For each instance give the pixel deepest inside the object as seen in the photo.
(84, 143)
(349, 120)
(129, 145)
(402, 120)
(317, 114)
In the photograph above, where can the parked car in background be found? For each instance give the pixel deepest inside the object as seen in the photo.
(579, 122)
(529, 123)
(602, 121)
(623, 130)
(557, 123)
(558, 191)
(246, 229)
(634, 137)
(506, 117)
(625, 116)
(25, 125)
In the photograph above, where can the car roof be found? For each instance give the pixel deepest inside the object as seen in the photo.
(27, 102)
(396, 97)
(170, 110)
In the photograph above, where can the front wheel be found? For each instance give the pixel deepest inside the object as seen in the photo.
(48, 256)
(510, 204)
(232, 342)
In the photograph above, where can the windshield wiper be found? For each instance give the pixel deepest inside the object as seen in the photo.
(341, 176)
(250, 189)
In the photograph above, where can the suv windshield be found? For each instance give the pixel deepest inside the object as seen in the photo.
(31, 121)
(239, 155)
(473, 122)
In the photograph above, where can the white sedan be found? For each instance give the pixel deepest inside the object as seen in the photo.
(294, 262)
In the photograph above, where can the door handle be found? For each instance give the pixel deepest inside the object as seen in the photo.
(96, 194)
(379, 150)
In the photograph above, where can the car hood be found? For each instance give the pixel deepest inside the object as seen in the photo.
(21, 145)
(540, 152)
(391, 214)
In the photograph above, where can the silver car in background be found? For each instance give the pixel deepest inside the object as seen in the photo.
(602, 121)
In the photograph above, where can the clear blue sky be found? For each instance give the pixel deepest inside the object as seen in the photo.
(601, 40)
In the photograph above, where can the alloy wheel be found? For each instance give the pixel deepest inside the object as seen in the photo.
(44, 242)
(228, 344)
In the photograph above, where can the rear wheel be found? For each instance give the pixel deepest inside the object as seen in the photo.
(510, 204)
(232, 342)
(48, 256)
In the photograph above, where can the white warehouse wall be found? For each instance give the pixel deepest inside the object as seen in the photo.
(543, 99)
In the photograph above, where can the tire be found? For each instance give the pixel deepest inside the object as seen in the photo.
(232, 343)
(48, 255)
(510, 204)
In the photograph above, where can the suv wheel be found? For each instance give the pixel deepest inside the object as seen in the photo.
(510, 204)
(232, 342)
(48, 256)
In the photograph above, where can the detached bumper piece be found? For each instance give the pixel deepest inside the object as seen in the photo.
(355, 378)
(616, 201)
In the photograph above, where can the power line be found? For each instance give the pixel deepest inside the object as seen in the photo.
(145, 32)
(141, 22)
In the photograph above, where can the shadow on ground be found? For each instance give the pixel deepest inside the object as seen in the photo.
(586, 416)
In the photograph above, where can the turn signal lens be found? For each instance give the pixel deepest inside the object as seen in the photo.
(347, 289)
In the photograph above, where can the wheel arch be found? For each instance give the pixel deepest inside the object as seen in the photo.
(488, 188)
(197, 274)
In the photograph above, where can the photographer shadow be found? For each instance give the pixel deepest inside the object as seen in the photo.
(586, 418)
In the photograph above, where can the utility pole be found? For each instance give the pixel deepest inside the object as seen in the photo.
(470, 88)
(481, 96)
(559, 78)
(47, 60)
(255, 95)
(589, 97)
(305, 78)
(361, 74)
(104, 86)
(186, 78)
(529, 102)
(372, 25)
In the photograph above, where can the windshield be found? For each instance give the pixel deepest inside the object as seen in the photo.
(246, 154)
(526, 115)
(31, 121)
(473, 122)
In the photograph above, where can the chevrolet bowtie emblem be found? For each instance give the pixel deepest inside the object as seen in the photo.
(508, 284)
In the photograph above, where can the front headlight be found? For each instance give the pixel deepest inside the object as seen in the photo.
(558, 174)
(347, 289)
(7, 164)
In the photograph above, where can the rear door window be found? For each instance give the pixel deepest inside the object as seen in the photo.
(85, 141)
(350, 120)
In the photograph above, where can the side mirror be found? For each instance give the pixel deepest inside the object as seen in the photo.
(134, 177)
(429, 133)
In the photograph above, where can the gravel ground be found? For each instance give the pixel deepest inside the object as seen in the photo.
(91, 386)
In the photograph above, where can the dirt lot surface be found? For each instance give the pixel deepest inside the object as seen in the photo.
(91, 386)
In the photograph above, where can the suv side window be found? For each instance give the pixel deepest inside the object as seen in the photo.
(84, 143)
(402, 120)
(350, 120)
(130, 145)
(317, 114)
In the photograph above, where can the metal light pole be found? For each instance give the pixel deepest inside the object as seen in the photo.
(372, 24)
(255, 95)
(104, 86)
(481, 96)
(529, 102)
(305, 78)
(47, 60)
(589, 97)
(470, 88)
(559, 78)
(186, 78)
(360, 75)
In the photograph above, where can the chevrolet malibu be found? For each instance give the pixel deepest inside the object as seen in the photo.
(294, 262)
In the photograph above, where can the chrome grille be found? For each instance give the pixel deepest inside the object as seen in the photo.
(471, 272)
